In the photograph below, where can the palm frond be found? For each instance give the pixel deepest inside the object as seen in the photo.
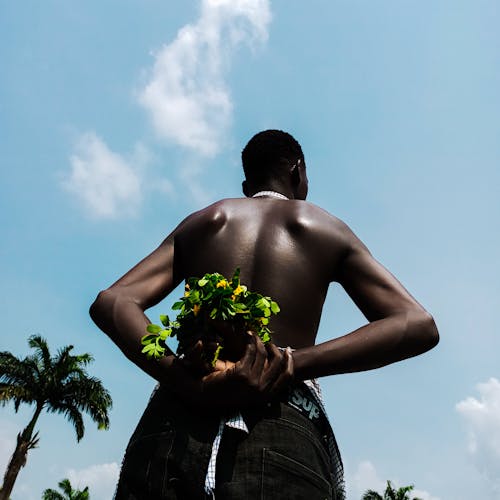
(42, 351)
(33, 442)
(63, 362)
(90, 396)
(16, 371)
(16, 393)
(403, 492)
(390, 492)
(372, 495)
(18, 380)
(72, 413)
(65, 485)
(84, 359)
(83, 494)
(69, 493)
(50, 494)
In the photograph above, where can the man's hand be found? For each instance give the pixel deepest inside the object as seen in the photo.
(260, 375)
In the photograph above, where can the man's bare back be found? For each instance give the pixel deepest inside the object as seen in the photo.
(277, 246)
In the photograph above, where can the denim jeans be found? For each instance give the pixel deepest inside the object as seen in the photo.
(283, 456)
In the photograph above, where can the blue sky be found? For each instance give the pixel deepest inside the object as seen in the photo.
(118, 120)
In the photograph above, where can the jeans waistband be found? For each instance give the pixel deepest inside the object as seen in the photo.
(303, 400)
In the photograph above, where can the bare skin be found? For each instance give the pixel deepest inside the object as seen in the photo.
(290, 250)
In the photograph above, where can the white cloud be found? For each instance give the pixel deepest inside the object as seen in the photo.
(423, 495)
(189, 104)
(101, 479)
(186, 95)
(366, 478)
(482, 418)
(104, 181)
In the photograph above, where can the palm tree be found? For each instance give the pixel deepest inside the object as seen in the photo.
(390, 493)
(69, 492)
(58, 384)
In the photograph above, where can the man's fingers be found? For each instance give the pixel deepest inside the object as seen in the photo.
(275, 365)
(196, 359)
(260, 358)
(286, 375)
(194, 354)
(246, 362)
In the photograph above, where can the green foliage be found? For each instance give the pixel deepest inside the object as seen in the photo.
(68, 493)
(207, 301)
(390, 493)
(59, 384)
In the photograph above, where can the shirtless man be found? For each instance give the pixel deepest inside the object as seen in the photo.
(290, 250)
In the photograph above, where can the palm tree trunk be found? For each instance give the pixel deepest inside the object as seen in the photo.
(25, 441)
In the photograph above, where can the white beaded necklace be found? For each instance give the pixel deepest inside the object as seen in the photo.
(272, 194)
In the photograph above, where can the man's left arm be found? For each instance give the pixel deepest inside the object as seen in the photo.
(119, 310)
(399, 327)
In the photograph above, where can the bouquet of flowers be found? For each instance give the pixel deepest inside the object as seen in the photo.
(216, 310)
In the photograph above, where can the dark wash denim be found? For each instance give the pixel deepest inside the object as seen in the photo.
(283, 456)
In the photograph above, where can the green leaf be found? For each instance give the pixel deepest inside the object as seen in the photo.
(265, 337)
(165, 321)
(202, 282)
(147, 339)
(275, 308)
(240, 307)
(177, 305)
(165, 333)
(235, 281)
(151, 328)
(154, 351)
(262, 303)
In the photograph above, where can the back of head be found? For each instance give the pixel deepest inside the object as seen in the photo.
(270, 154)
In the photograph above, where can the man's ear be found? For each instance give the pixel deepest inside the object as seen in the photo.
(244, 186)
(295, 175)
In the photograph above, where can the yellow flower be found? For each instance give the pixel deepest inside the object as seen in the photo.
(196, 309)
(222, 284)
(238, 290)
(187, 293)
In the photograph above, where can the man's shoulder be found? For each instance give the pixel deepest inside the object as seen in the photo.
(212, 214)
(320, 219)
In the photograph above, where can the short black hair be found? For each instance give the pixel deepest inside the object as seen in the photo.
(268, 153)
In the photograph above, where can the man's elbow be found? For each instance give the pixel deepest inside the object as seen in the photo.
(101, 306)
(427, 332)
